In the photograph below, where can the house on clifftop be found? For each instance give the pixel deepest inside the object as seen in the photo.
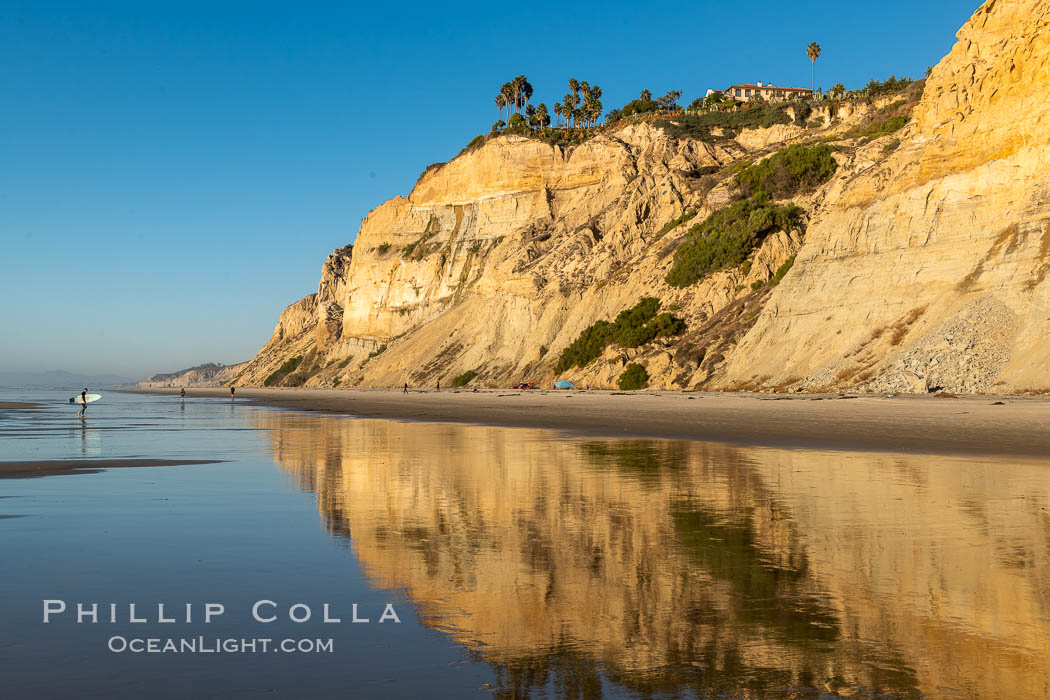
(771, 93)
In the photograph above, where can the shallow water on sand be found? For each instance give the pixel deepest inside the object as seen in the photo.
(520, 562)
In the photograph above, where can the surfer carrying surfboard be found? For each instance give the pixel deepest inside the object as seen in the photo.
(83, 402)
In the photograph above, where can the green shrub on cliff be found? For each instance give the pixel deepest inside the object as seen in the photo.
(587, 347)
(287, 368)
(878, 127)
(465, 378)
(781, 271)
(892, 84)
(727, 237)
(633, 327)
(788, 172)
(687, 215)
(699, 126)
(885, 121)
(634, 377)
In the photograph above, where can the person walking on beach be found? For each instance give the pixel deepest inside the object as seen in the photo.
(232, 392)
(83, 402)
(406, 387)
(439, 385)
(182, 392)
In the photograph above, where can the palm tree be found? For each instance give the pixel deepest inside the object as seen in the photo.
(524, 90)
(501, 102)
(508, 97)
(557, 108)
(515, 93)
(813, 51)
(596, 103)
(568, 106)
(572, 100)
(592, 104)
(543, 119)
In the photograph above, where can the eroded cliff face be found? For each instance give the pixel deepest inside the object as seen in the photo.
(922, 267)
(497, 260)
(210, 374)
(927, 269)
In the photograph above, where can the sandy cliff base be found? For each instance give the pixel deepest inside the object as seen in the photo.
(1007, 426)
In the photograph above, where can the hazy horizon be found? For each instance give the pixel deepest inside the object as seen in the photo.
(175, 177)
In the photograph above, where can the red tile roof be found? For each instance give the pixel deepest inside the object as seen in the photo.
(767, 87)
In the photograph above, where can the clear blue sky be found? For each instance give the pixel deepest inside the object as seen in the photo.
(173, 174)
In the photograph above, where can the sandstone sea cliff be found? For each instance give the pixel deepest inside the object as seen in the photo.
(922, 264)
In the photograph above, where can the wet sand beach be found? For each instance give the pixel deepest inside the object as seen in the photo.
(27, 469)
(17, 405)
(525, 561)
(975, 425)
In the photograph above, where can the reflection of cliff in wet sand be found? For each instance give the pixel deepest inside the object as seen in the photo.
(664, 565)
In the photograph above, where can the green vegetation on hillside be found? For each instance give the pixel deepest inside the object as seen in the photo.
(633, 327)
(880, 126)
(465, 378)
(687, 215)
(287, 368)
(419, 248)
(577, 115)
(889, 86)
(748, 116)
(788, 172)
(645, 104)
(781, 271)
(727, 237)
(634, 377)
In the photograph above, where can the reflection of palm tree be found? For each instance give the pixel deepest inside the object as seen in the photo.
(813, 51)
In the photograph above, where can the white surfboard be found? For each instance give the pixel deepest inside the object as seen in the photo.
(90, 398)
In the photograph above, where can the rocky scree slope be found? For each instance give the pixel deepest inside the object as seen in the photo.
(926, 270)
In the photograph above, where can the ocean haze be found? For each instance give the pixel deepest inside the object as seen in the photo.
(60, 379)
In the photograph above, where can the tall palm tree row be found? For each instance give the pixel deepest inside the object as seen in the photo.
(581, 104)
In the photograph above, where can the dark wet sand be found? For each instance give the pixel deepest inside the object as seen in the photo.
(17, 405)
(52, 467)
(973, 425)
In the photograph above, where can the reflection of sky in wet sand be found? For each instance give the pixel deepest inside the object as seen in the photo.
(666, 565)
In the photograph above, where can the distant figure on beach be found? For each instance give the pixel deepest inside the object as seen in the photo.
(182, 392)
(83, 402)
(439, 385)
(232, 392)
(406, 387)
